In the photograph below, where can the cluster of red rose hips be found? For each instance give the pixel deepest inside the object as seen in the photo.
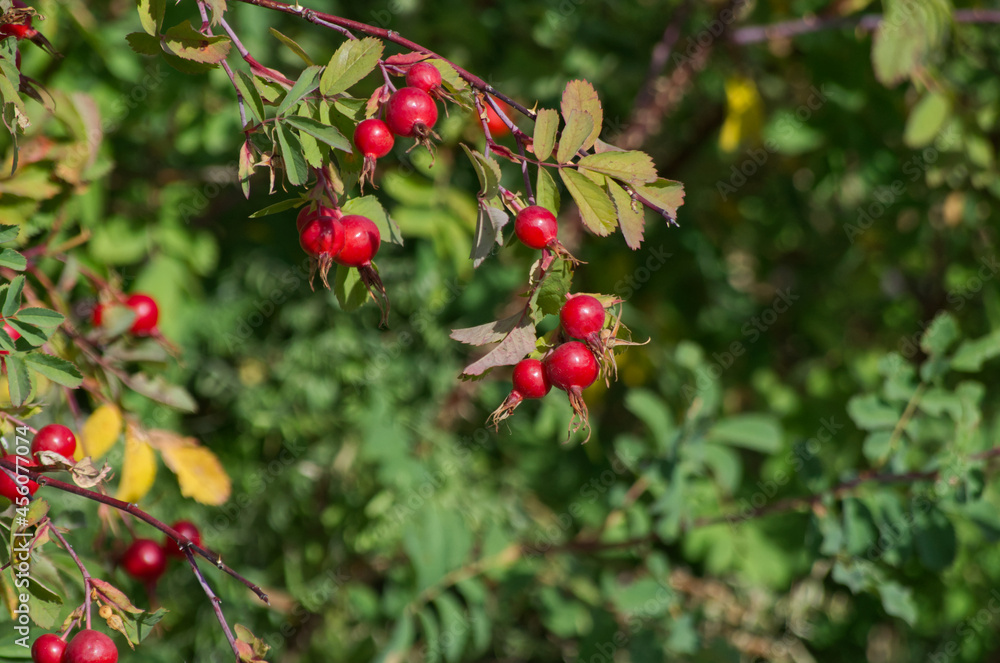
(410, 112)
(146, 560)
(147, 314)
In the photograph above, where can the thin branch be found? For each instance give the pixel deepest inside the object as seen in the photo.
(753, 34)
(214, 600)
(79, 564)
(182, 541)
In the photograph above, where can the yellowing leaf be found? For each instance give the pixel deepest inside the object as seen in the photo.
(138, 468)
(199, 472)
(99, 432)
(744, 114)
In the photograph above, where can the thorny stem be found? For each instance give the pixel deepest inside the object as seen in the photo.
(206, 28)
(83, 569)
(329, 20)
(213, 599)
(44, 480)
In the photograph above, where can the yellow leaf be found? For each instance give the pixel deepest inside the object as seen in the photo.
(744, 114)
(99, 432)
(138, 468)
(198, 470)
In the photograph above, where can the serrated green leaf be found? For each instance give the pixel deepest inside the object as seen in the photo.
(251, 97)
(151, 15)
(546, 191)
(577, 129)
(664, 194)
(321, 132)
(631, 215)
(56, 369)
(18, 382)
(305, 84)
(488, 171)
(926, 119)
(544, 137)
(352, 61)
(633, 166)
(161, 391)
(759, 432)
(139, 627)
(291, 156)
(579, 96)
(30, 333)
(8, 233)
(371, 207)
(12, 259)
(40, 317)
(292, 46)
(143, 44)
(350, 290)
(187, 43)
(489, 231)
(12, 300)
(311, 150)
(596, 209)
(278, 207)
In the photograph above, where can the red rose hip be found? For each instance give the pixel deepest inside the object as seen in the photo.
(186, 528)
(411, 112)
(56, 438)
(582, 316)
(89, 646)
(48, 648)
(424, 76)
(536, 227)
(144, 560)
(9, 486)
(147, 313)
(361, 241)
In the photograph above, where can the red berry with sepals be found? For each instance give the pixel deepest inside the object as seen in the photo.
(147, 313)
(424, 76)
(18, 30)
(572, 367)
(13, 333)
(89, 646)
(582, 317)
(412, 113)
(186, 528)
(361, 242)
(144, 560)
(529, 381)
(374, 138)
(536, 227)
(55, 438)
(322, 237)
(48, 648)
(9, 487)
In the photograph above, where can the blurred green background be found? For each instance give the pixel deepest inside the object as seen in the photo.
(829, 219)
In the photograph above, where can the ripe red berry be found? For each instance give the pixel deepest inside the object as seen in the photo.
(144, 560)
(361, 241)
(322, 236)
(530, 380)
(56, 438)
(536, 227)
(171, 548)
(9, 488)
(498, 128)
(571, 366)
(48, 648)
(18, 30)
(374, 138)
(582, 316)
(423, 76)
(411, 112)
(89, 646)
(13, 333)
(146, 313)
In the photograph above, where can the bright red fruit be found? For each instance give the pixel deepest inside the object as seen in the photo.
(411, 112)
(188, 529)
(498, 128)
(13, 333)
(8, 487)
(571, 365)
(423, 76)
(322, 236)
(374, 138)
(144, 560)
(536, 227)
(530, 380)
(361, 241)
(582, 316)
(89, 646)
(146, 313)
(48, 648)
(56, 438)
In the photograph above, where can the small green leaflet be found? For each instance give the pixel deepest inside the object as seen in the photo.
(12, 301)
(305, 84)
(56, 369)
(151, 15)
(292, 46)
(354, 60)
(278, 207)
(631, 214)
(578, 127)
(251, 97)
(40, 317)
(489, 227)
(291, 154)
(596, 209)
(322, 132)
(632, 167)
(8, 233)
(546, 192)
(664, 194)
(18, 382)
(350, 291)
(546, 127)
(551, 294)
(488, 171)
(144, 44)
(185, 42)
(579, 96)
(12, 259)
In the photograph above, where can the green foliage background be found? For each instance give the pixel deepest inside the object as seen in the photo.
(388, 524)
